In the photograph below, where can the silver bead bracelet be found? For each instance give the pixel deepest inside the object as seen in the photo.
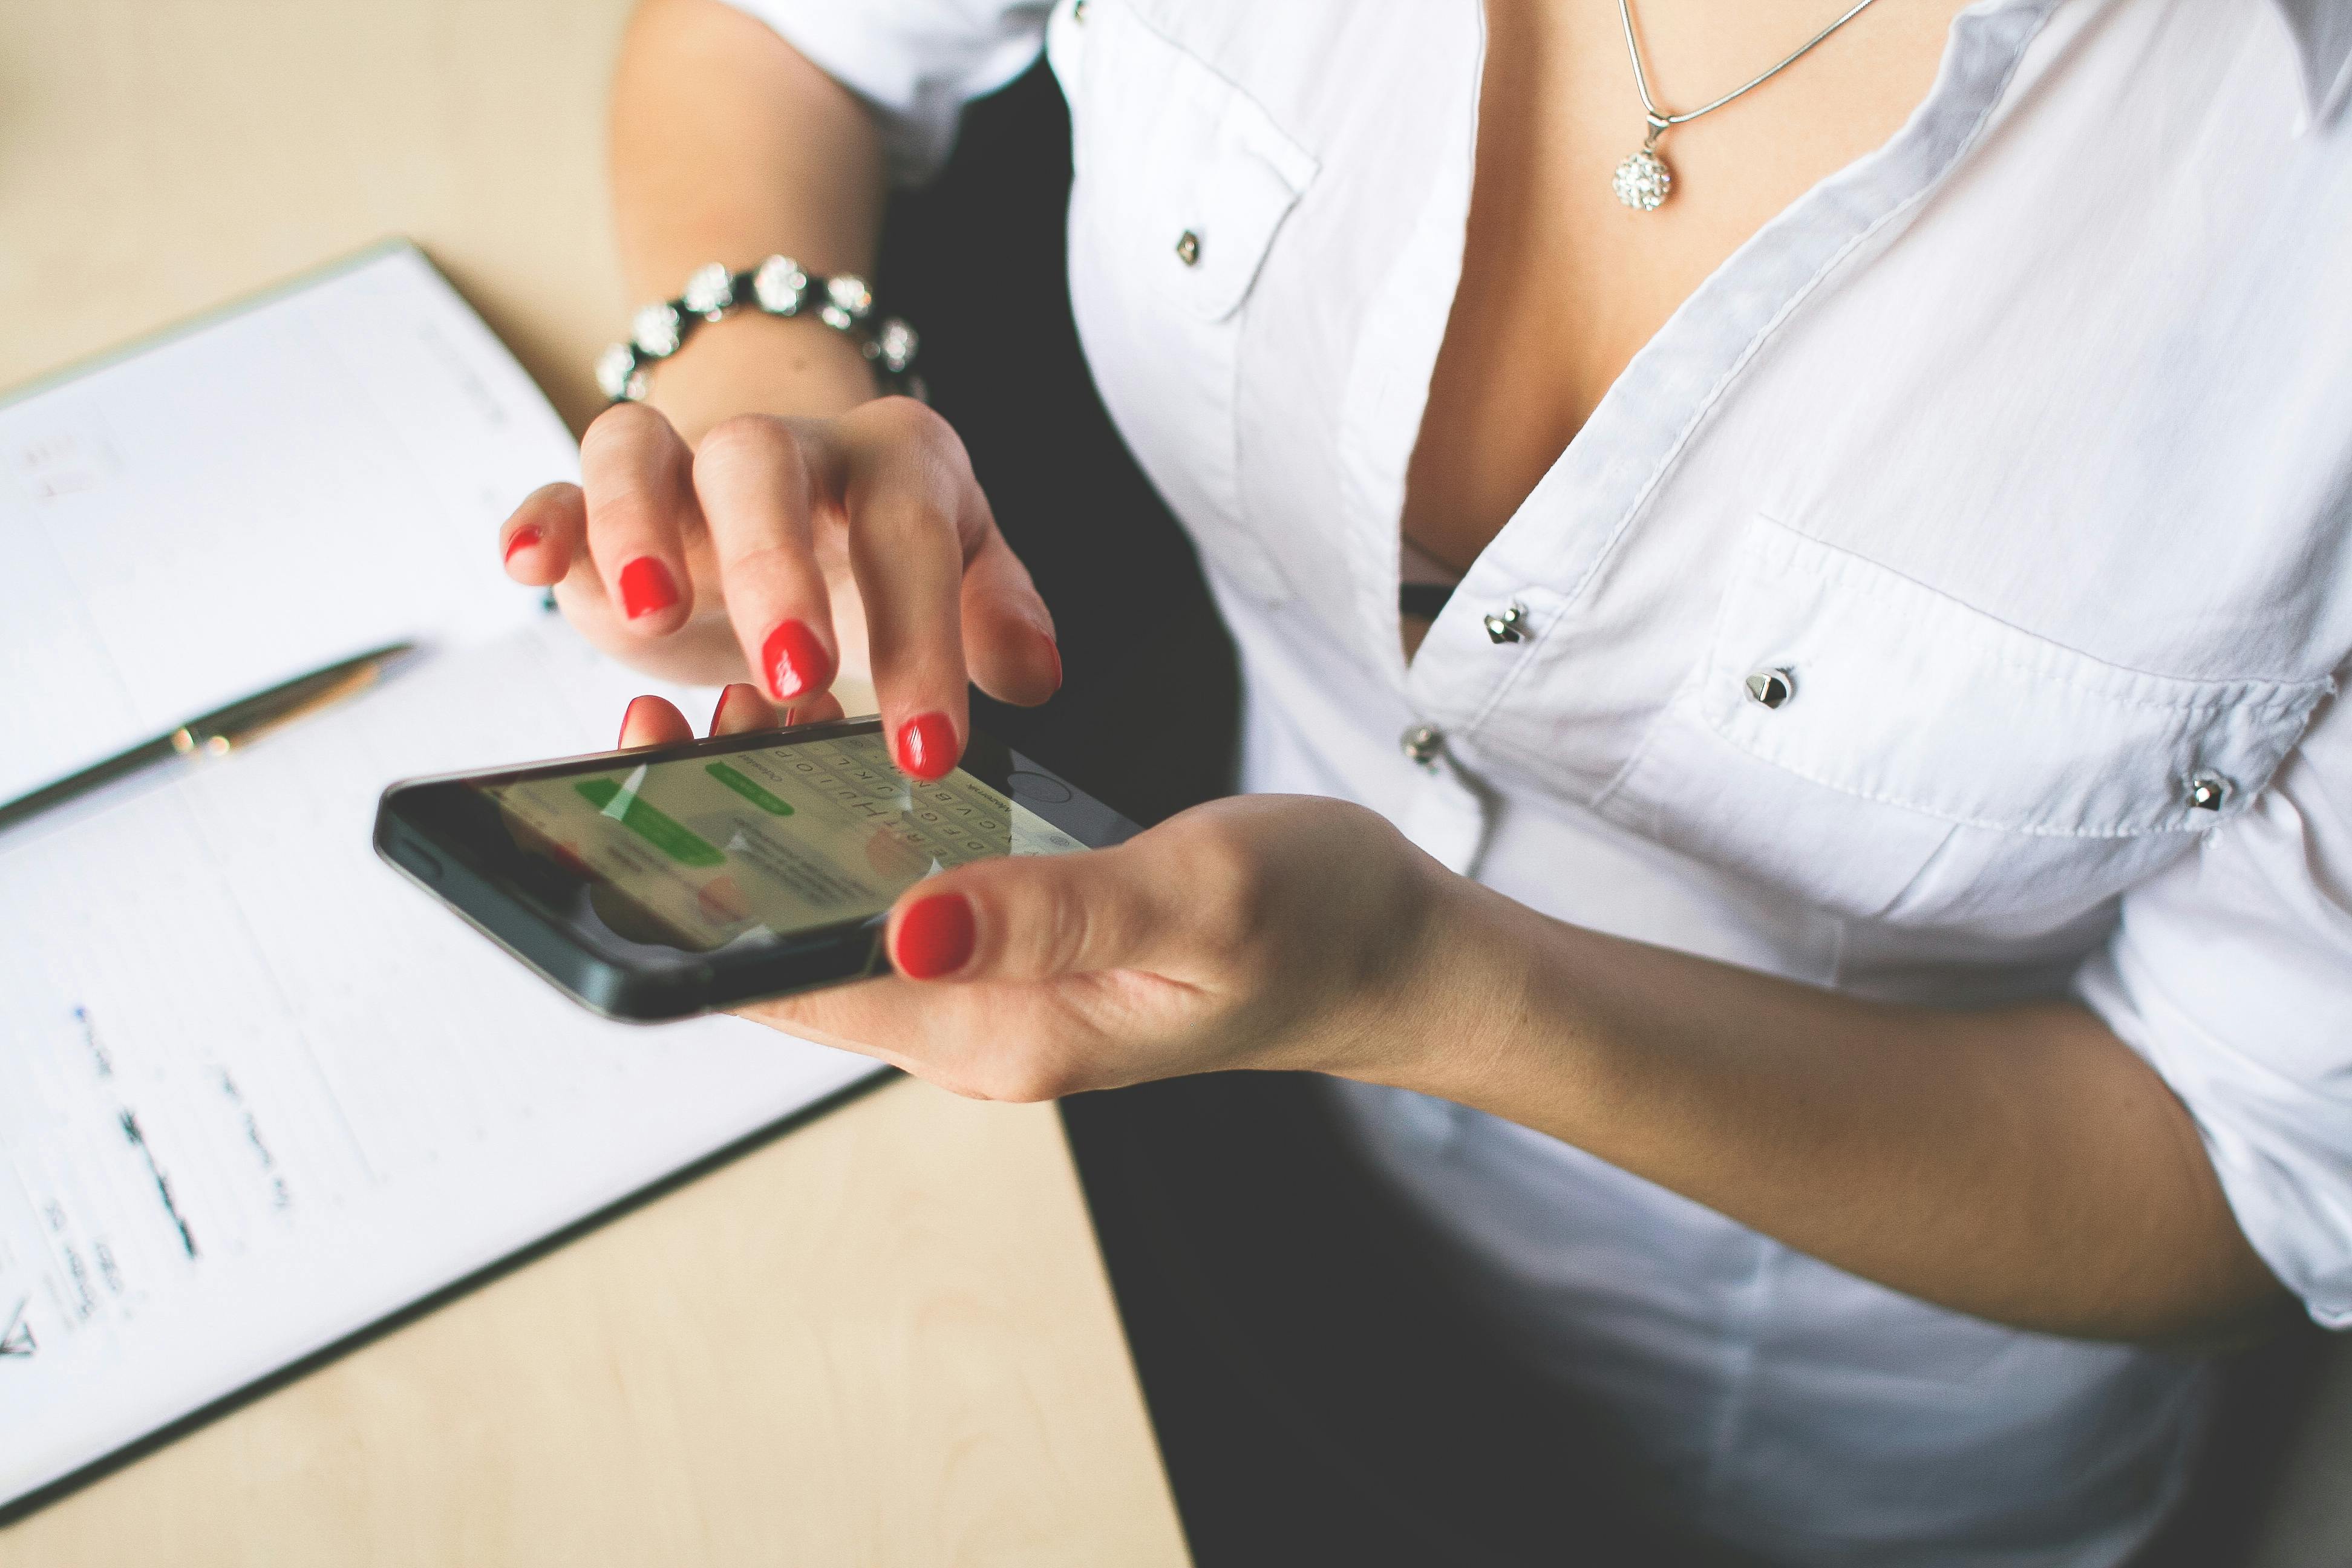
(778, 286)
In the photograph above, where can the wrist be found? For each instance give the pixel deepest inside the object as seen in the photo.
(1492, 1000)
(1442, 983)
(769, 364)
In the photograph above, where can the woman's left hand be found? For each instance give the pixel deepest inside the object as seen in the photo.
(1262, 932)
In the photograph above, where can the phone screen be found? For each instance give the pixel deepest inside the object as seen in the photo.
(709, 851)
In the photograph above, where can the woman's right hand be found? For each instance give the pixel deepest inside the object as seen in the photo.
(797, 549)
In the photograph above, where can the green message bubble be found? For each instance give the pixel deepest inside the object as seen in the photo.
(749, 790)
(664, 834)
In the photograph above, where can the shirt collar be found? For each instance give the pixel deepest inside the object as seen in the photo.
(2323, 37)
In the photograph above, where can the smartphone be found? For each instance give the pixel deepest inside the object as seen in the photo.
(671, 881)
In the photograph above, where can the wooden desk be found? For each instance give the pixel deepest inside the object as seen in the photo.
(884, 1339)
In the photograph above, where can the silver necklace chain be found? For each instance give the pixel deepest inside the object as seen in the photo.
(1642, 180)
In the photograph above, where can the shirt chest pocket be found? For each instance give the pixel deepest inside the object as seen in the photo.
(1883, 751)
(1180, 182)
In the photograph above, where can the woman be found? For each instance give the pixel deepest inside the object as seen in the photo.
(1840, 925)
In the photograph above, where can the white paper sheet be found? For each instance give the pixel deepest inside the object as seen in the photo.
(243, 502)
(256, 1091)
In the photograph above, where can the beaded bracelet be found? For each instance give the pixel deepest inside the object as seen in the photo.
(779, 286)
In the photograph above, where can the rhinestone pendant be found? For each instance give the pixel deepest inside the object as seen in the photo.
(1642, 180)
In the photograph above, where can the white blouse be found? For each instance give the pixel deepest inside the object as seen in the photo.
(2019, 453)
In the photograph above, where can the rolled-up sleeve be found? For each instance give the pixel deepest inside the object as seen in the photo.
(916, 62)
(2232, 975)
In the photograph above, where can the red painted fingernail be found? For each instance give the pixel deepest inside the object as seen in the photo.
(926, 745)
(647, 586)
(627, 713)
(935, 936)
(793, 661)
(524, 538)
(719, 713)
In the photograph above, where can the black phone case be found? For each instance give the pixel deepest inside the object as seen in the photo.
(441, 834)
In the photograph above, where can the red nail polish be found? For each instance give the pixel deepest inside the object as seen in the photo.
(647, 586)
(524, 538)
(935, 937)
(794, 662)
(627, 714)
(927, 746)
(719, 713)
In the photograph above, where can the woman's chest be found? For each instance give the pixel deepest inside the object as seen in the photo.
(1562, 282)
(1954, 554)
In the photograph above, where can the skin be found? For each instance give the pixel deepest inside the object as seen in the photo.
(1561, 285)
(2019, 1163)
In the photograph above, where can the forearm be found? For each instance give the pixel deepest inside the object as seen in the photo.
(2019, 1163)
(728, 145)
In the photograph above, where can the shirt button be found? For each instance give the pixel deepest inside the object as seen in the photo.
(1423, 743)
(1504, 625)
(2209, 792)
(1187, 248)
(1771, 688)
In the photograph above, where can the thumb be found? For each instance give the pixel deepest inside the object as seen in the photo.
(1029, 917)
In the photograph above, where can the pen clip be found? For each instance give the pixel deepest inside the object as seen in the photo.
(187, 741)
